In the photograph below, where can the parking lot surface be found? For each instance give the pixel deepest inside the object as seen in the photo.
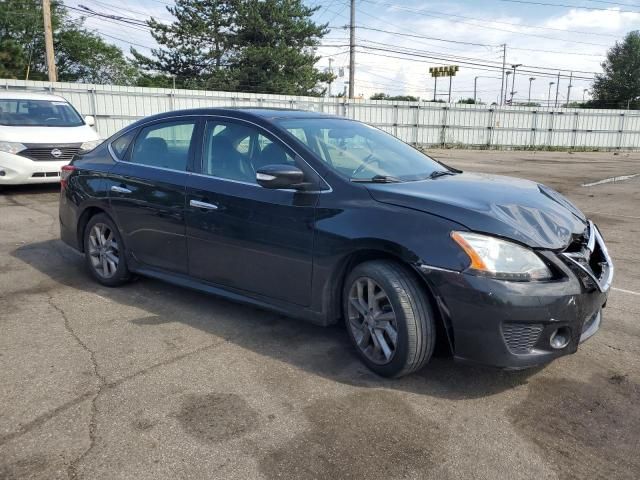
(152, 381)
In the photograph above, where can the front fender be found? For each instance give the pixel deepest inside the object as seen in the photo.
(413, 237)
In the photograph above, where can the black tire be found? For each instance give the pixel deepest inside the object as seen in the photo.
(414, 321)
(120, 275)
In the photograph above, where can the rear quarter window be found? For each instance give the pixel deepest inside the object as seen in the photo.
(121, 144)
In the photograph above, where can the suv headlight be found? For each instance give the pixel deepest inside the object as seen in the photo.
(90, 145)
(11, 147)
(500, 258)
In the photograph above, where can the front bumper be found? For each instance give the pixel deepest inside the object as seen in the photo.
(512, 324)
(18, 170)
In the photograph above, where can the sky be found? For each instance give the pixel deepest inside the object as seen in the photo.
(544, 36)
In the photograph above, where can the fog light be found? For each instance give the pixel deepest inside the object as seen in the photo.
(2, 173)
(560, 338)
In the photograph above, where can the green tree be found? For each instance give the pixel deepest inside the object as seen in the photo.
(238, 45)
(276, 42)
(470, 101)
(619, 85)
(195, 48)
(81, 55)
(398, 98)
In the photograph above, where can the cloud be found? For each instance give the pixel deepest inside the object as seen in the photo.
(611, 20)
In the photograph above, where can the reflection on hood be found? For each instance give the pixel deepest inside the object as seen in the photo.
(518, 209)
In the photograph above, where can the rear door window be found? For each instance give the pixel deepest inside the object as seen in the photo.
(164, 145)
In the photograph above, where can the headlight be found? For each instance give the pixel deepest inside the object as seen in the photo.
(501, 259)
(90, 145)
(11, 147)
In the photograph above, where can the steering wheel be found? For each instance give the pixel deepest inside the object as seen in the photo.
(366, 161)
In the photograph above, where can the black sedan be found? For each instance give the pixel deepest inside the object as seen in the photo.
(329, 220)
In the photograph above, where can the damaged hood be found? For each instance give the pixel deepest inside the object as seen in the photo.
(514, 208)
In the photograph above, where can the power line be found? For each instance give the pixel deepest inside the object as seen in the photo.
(517, 25)
(581, 7)
(459, 58)
(364, 27)
(428, 13)
(476, 65)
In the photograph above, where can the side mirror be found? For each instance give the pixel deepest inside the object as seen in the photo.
(280, 176)
(90, 120)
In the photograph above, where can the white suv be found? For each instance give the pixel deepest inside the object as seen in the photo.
(39, 134)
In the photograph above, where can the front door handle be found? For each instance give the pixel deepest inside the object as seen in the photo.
(117, 189)
(205, 205)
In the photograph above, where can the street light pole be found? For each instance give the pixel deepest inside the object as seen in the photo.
(513, 81)
(475, 89)
(531, 79)
(549, 95)
(504, 60)
(352, 50)
(507, 73)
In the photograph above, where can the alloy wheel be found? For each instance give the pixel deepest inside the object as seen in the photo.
(103, 250)
(372, 321)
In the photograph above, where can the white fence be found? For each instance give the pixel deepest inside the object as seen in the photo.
(420, 123)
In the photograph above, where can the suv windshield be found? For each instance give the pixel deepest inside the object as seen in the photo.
(360, 152)
(38, 113)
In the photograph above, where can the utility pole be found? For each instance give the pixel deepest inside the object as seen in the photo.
(557, 91)
(549, 95)
(504, 61)
(451, 80)
(583, 92)
(531, 79)
(352, 49)
(48, 41)
(569, 89)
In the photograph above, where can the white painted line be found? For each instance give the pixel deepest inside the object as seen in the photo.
(621, 178)
(630, 292)
(612, 214)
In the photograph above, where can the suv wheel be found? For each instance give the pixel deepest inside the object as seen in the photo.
(104, 251)
(389, 318)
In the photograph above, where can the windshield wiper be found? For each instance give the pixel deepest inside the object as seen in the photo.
(377, 179)
(441, 173)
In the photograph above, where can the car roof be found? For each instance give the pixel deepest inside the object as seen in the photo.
(18, 95)
(247, 113)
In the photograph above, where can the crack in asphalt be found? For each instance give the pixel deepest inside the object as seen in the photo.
(94, 394)
(72, 472)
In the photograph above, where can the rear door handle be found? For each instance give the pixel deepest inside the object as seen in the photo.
(117, 189)
(205, 205)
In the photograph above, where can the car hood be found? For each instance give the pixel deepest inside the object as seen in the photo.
(48, 135)
(514, 208)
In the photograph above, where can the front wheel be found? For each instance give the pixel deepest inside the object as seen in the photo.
(104, 252)
(389, 318)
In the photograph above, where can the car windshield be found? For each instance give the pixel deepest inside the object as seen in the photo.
(360, 152)
(38, 113)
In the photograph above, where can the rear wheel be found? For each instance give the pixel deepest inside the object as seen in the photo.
(104, 251)
(389, 318)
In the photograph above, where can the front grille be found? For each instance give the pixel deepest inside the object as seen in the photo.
(43, 153)
(521, 337)
(45, 174)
